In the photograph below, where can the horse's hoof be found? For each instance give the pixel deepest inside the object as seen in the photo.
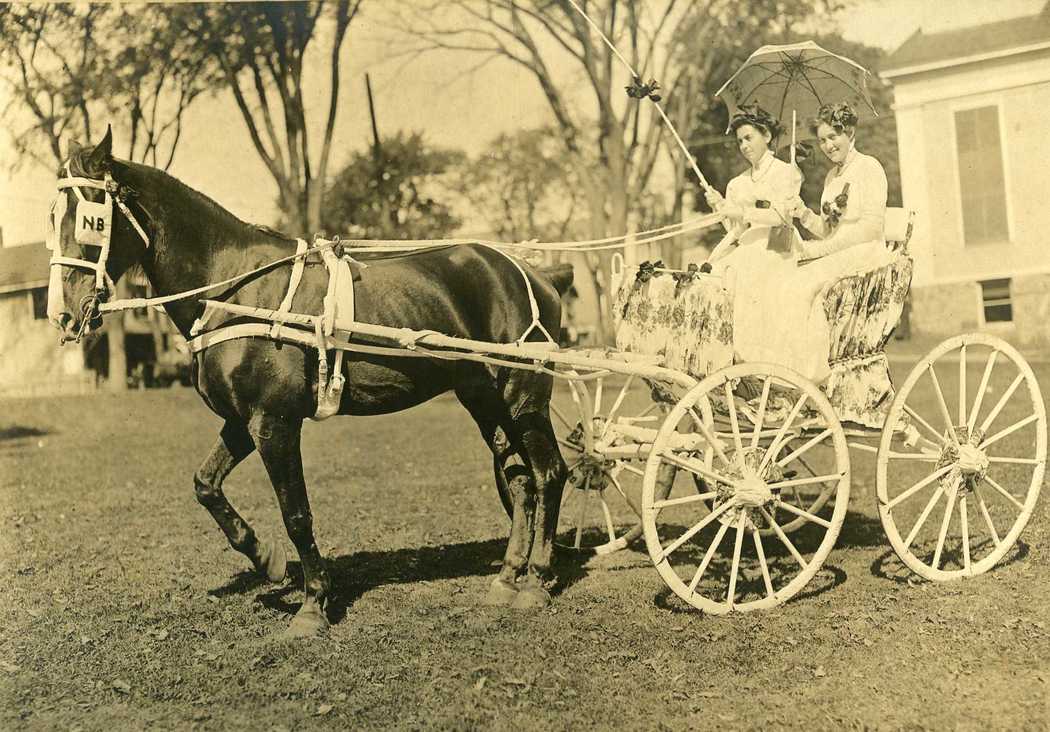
(501, 593)
(272, 561)
(531, 597)
(309, 622)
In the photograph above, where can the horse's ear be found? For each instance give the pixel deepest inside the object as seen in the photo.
(97, 161)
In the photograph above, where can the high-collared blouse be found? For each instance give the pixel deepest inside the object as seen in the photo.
(862, 220)
(773, 182)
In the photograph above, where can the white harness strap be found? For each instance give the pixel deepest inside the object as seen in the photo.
(533, 306)
(298, 265)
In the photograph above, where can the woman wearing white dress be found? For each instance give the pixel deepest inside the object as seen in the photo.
(758, 198)
(778, 313)
(765, 308)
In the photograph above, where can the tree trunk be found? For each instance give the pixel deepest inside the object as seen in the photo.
(118, 358)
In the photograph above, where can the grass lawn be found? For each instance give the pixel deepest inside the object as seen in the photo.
(124, 607)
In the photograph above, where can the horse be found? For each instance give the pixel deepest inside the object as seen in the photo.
(264, 389)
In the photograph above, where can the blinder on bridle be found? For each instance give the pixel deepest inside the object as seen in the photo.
(92, 226)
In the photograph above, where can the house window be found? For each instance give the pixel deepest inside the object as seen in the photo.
(981, 179)
(995, 296)
(39, 296)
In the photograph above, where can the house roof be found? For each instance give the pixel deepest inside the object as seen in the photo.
(946, 48)
(23, 267)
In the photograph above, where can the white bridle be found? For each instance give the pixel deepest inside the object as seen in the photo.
(92, 226)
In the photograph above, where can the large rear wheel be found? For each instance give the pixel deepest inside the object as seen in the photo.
(956, 497)
(747, 474)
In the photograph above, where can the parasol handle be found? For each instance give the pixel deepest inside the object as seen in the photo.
(793, 120)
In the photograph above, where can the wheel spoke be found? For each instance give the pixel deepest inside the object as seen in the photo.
(806, 481)
(708, 556)
(686, 499)
(926, 457)
(1001, 403)
(962, 385)
(944, 532)
(923, 516)
(731, 401)
(735, 571)
(918, 486)
(598, 388)
(942, 404)
(561, 417)
(981, 391)
(1006, 494)
(620, 397)
(581, 517)
(608, 519)
(783, 538)
(630, 500)
(761, 412)
(689, 534)
(632, 469)
(569, 446)
(915, 415)
(805, 448)
(1009, 430)
(771, 451)
(804, 514)
(707, 435)
(987, 518)
(965, 534)
(695, 466)
(1015, 461)
(762, 561)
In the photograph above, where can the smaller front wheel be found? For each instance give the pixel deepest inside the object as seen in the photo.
(738, 440)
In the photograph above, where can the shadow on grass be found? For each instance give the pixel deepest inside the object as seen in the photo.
(355, 574)
(827, 578)
(18, 432)
(888, 565)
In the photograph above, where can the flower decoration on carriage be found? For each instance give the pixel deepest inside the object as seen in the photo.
(638, 90)
(834, 209)
(647, 270)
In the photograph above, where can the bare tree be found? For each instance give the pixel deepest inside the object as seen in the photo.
(615, 143)
(259, 49)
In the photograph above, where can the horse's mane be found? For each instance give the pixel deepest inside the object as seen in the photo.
(173, 184)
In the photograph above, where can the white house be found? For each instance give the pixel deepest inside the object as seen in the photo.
(973, 126)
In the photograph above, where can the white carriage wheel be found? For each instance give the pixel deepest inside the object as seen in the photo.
(745, 480)
(966, 458)
(601, 502)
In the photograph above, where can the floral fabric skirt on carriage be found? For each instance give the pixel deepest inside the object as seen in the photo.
(828, 319)
(778, 305)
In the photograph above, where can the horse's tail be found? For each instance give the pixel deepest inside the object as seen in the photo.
(559, 275)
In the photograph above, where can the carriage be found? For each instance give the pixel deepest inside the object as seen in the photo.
(674, 441)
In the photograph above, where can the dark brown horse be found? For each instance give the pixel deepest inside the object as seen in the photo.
(264, 390)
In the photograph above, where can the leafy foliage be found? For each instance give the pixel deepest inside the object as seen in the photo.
(396, 192)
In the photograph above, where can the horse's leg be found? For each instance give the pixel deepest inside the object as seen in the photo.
(540, 448)
(235, 444)
(488, 410)
(278, 441)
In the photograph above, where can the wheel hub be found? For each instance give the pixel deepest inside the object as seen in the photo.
(969, 462)
(750, 488)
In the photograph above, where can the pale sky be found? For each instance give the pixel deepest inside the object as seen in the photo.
(435, 95)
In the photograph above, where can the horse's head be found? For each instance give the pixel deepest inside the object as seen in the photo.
(93, 236)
